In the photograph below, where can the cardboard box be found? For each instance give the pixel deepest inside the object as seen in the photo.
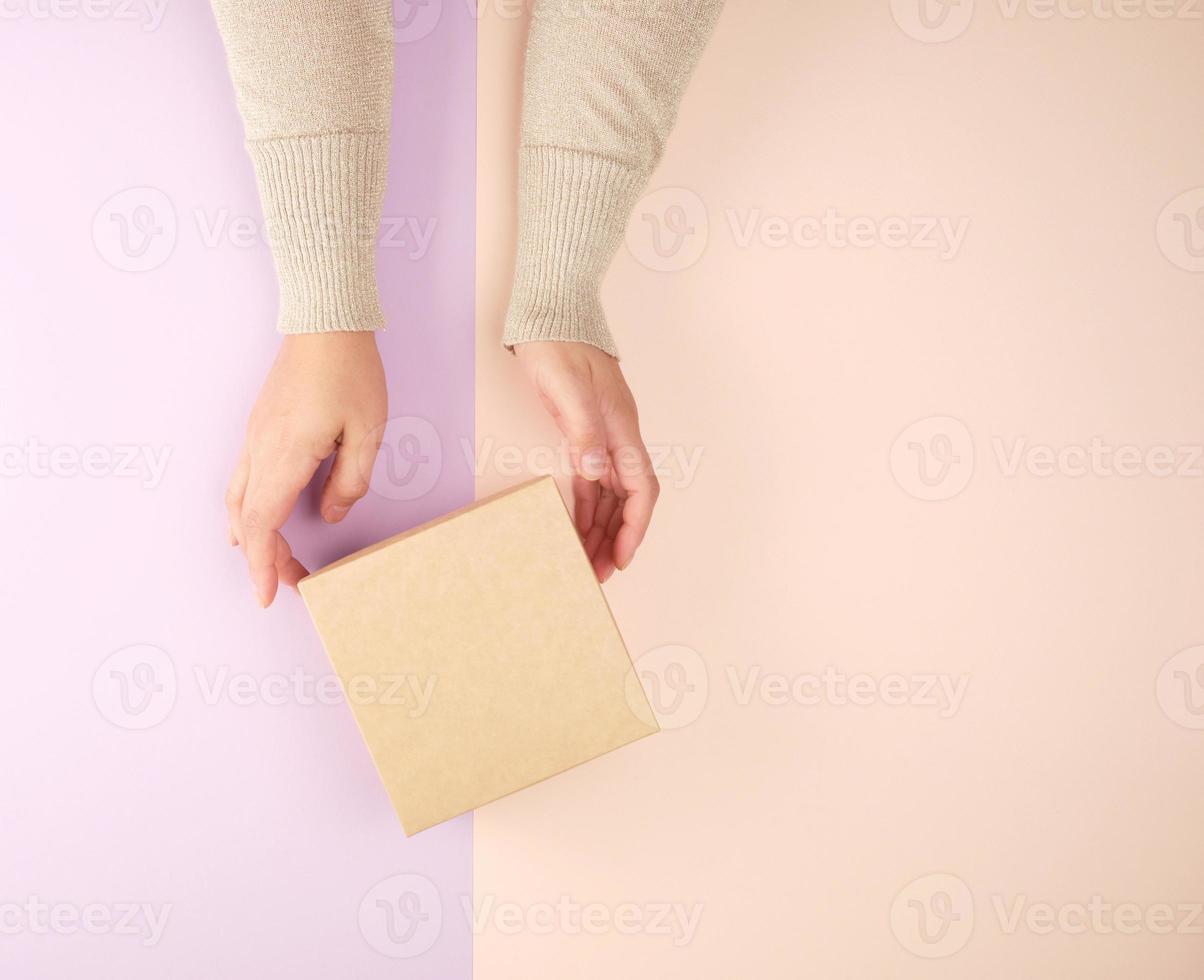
(478, 654)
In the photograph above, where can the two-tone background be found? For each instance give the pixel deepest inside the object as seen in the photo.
(914, 310)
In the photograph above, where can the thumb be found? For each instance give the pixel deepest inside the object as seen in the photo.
(580, 419)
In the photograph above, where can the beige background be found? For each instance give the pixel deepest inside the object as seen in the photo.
(1055, 587)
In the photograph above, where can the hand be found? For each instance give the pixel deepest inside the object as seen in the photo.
(325, 392)
(614, 488)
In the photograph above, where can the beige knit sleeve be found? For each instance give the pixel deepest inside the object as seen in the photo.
(603, 83)
(314, 85)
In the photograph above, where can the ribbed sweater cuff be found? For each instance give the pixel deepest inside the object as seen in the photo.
(572, 211)
(322, 199)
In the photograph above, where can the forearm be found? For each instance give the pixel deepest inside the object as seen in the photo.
(314, 85)
(603, 84)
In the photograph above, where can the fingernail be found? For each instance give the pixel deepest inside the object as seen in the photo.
(334, 513)
(262, 592)
(593, 464)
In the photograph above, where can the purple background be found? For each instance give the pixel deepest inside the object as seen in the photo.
(262, 825)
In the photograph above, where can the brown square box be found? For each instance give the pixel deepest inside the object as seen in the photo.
(496, 610)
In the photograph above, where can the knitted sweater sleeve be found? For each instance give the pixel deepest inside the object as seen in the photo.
(603, 82)
(314, 85)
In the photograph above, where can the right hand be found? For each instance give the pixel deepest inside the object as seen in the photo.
(325, 393)
(614, 485)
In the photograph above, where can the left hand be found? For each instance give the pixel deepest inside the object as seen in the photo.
(614, 488)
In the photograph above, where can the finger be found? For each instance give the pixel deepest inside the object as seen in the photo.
(608, 504)
(271, 495)
(348, 479)
(604, 554)
(292, 573)
(603, 560)
(638, 484)
(593, 541)
(616, 520)
(585, 503)
(235, 491)
(288, 568)
(578, 416)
